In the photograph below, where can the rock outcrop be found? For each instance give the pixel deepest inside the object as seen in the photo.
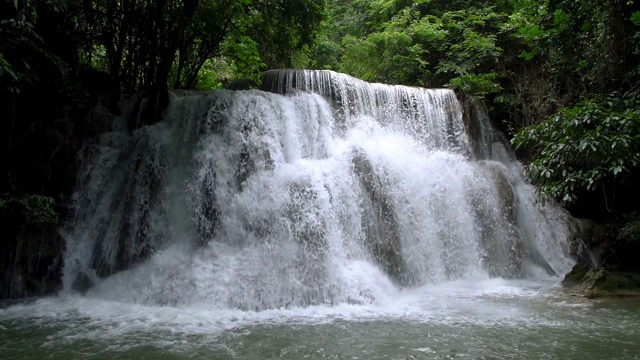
(598, 282)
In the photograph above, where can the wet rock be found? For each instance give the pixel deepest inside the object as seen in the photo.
(575, 276)
(380, 223)
(589, 242)
(31, 263)
(598, 282)
(149, 108)
(82, 283)
(495, 217)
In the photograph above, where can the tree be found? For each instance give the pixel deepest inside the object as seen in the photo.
(590, 146)
(62, 53)
(162, 43)
(425, 43)
(586, 136)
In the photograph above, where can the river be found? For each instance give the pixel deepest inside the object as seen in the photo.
(319, 217)
(479, 319)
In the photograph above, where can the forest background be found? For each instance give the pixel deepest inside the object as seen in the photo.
(560, 78)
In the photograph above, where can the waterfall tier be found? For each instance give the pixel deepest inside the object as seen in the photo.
(318, 189)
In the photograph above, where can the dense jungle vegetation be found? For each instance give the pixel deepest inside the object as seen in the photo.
(561, 78)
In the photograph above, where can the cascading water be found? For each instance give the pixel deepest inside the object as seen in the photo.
(324, 189)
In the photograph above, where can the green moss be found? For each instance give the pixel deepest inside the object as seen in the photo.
(598, 282)
(612, 284)
(31, 250)
(575, 276)
(32, 209)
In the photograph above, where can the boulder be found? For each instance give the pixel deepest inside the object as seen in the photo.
(598, 282)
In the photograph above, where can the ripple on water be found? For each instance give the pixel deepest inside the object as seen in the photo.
(488, 318)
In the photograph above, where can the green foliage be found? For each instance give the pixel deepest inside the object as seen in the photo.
(158, 44)
(530, 34)
(635, 18)
(25, 60)
(65, 55)
(533, 62)
(243, 50)
(579, 44)
(630, 231)
(424, 43)
(585, 146)
(34, 209)
(5, 68)
(476, 85)
(213, 74)
(472, 42)
(383, 57)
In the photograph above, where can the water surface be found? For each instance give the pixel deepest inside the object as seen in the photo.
(483, 319)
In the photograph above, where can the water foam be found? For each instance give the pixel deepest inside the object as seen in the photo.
(332, 193)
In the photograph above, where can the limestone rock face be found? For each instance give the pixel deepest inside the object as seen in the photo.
(383, 238)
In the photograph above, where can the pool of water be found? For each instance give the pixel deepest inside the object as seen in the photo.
(480, 319)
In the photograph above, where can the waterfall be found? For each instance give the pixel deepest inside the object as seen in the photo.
(317, 189)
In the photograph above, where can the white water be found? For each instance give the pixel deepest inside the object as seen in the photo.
(327, 199)
(461, 302)
(252, 200)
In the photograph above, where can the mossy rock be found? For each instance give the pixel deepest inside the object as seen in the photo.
(575, 276)
(599, 282)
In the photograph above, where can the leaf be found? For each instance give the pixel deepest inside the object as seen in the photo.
(617, 170)
(635, 18)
